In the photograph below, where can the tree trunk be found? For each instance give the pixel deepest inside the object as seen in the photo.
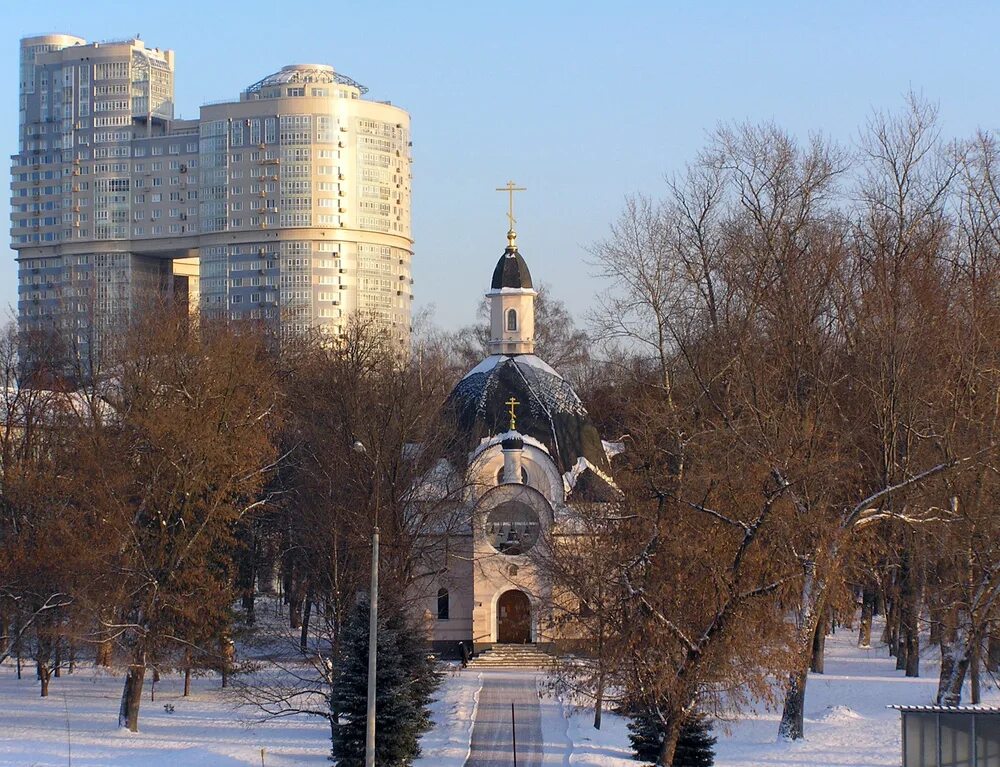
(816, 664)
(43, 660)
(900, 643)
(187, 673)
(670, 736)
(936, 618)
(890, 635)
(599, 699)
(15, 629)
(295, 609)
(993, 654)
(912, 651)
(72, 656)
(809, 618)
(867, 612)
(955, 657)
(948, 638)
(900, 639)
(847, 621)
(57, 662)
(909, 613)
(128, 714)
(104, 653)
(974, 674)
(152, 687)
(286, 582)
(4, 636)
(44, 675)
(228, 652)
(306, 612)
(792, 725)
(249, 605)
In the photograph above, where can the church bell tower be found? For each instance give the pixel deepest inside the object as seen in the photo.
(512, 297)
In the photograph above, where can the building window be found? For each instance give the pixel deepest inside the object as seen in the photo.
(511, 319)
(443, 604)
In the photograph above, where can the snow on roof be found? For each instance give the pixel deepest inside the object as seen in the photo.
(496, 359)
(977, 709)
(611, 449)
(549, 410)
(486, 365)
(487, 442)
(440, 481)
(582, 464)
(538, 362)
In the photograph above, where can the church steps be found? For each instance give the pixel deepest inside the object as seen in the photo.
(511, 656)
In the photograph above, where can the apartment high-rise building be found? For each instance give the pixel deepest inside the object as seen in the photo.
(290, 204)
(305, 208)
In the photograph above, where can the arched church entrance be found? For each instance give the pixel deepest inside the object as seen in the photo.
(513, 618)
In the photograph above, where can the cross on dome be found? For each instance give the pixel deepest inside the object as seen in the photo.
(510, 188)
(512, 403)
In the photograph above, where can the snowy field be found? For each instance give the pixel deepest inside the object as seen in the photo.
(847, 723)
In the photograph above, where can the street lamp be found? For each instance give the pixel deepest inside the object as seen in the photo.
(359, 447)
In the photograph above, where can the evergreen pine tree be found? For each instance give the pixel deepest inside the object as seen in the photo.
(695, 745)
(405, 681)
(646, 735)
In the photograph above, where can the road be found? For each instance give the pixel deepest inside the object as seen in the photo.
(492, 738)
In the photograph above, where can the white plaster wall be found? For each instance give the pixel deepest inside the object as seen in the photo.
(521, 340)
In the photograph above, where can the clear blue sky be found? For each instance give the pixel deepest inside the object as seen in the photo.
(581, 102)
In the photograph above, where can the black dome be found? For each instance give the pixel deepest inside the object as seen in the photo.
(549, 411)
(512, 442)
(511, 271)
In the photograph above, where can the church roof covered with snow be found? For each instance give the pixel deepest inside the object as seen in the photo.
(549, 411)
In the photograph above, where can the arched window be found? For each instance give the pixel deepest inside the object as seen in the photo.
(511, 319)
(444, 605)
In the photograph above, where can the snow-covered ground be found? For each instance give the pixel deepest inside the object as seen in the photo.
(204, 728)
(847, 723)
(447, 745)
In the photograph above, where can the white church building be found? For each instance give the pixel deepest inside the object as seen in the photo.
(535, 462)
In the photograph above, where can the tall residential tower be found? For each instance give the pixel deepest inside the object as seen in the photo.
(293, 201)
(305, 203)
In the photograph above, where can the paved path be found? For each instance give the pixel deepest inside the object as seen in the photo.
(492, 742)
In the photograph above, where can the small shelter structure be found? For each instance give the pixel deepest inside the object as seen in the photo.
(950, 736)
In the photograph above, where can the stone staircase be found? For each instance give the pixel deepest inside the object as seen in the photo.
(503, 656)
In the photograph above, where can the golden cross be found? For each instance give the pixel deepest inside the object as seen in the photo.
(510, 189)
(513, 415)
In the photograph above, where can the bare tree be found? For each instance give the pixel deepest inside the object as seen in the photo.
(175, 451)
(368, 443)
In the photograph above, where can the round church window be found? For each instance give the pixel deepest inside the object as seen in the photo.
(512, 528)
(524, 476)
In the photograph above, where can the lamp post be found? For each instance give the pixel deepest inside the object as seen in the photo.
(359, 447)
(372, 653)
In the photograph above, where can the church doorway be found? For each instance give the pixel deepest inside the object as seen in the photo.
(513, 618)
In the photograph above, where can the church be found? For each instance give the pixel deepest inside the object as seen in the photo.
(535, 462)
